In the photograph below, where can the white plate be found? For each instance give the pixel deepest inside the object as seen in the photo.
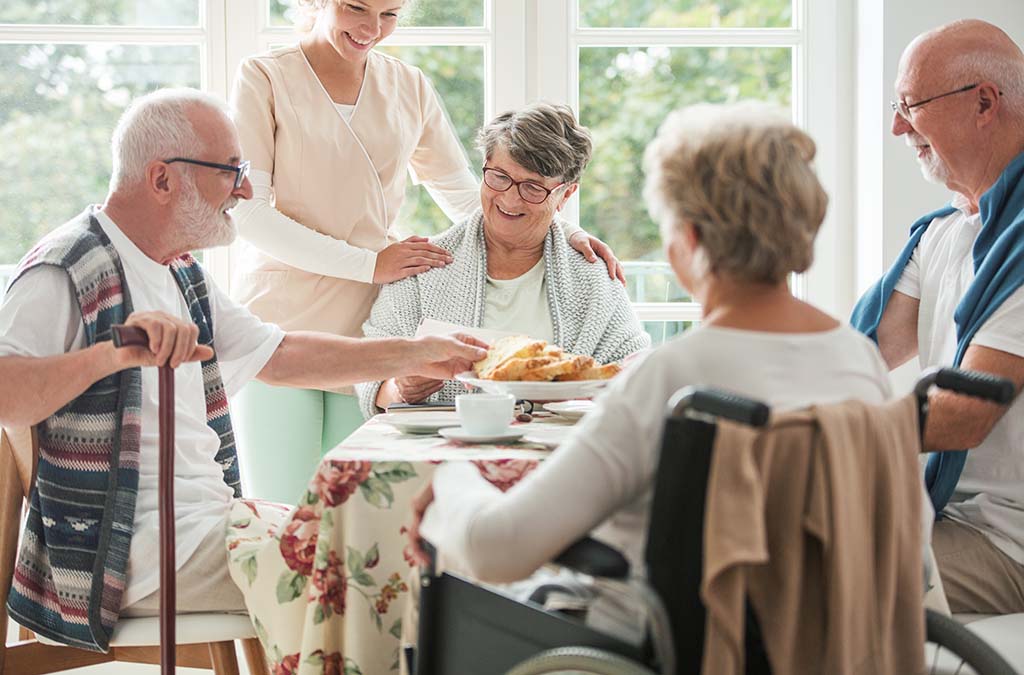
(460, 434)
(420, 422)
(549, 435)
(535, 391)
(572, 410)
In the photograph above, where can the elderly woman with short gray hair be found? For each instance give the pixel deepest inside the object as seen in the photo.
(513, 270)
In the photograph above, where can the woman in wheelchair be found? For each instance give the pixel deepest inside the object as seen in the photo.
(739, 206)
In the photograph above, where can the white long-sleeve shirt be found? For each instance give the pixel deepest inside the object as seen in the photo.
(458, 196)
(602, 476)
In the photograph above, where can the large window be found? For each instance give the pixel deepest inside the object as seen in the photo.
(69, 67)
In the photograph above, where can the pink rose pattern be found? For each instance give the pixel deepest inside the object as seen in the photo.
(298, 542)
(289, 665)
(330, 585)
(334, 663)
(504, 473)
(336, 481)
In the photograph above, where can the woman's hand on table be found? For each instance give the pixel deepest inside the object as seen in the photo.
(408, 257)
(593, 248)
(414, 388)
(420, 502)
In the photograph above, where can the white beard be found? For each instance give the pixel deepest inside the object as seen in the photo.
(934, 169)
(202, 225)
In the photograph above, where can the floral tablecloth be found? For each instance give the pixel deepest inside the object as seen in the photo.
(325, 580)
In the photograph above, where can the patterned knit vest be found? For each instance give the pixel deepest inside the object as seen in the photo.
(70, 573)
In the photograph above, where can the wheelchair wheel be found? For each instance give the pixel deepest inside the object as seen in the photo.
(953, 648)
(578, 661)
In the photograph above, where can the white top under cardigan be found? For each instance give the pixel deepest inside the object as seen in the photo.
(602, 476)
(40, 317)
(590, 313)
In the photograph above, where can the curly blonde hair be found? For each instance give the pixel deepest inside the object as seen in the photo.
(742, 175)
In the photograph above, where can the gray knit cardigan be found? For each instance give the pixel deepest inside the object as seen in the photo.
(590, 312)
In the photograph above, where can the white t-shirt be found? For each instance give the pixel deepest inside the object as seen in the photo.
(512, 304)
(603, 474)
(990, 494)
(345, 110)
(40, 317)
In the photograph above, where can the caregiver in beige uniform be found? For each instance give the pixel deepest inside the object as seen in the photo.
(331, 128)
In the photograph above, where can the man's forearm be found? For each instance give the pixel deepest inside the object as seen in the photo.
(958, 422)
(322, 361)
(35, 388)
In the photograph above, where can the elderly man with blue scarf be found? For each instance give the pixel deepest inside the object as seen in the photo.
(954, 297)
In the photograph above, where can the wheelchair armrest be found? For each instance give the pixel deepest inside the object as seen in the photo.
(590, 556)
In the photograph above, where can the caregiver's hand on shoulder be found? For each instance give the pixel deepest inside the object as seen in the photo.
(593, 248)
(172, 341)
(408, 257)
(441, 357)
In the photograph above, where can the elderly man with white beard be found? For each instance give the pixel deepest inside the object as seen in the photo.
(954, 298)
(90, 543)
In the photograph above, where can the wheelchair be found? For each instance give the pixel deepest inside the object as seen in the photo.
(466, 629)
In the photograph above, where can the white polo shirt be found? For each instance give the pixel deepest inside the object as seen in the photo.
(990, 494)
(40, 317)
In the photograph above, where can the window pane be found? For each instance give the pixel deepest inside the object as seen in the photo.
(422, 13)
(58, 107)
(653, 281)
(625, 93)
(661, 331)
(686, 13)
(102, 13)
(457, 74)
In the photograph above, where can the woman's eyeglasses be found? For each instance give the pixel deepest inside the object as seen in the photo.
(533, 193)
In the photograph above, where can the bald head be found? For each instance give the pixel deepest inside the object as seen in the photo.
(961, 104)
(964, 52)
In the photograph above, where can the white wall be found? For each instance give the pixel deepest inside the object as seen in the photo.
(891, 192)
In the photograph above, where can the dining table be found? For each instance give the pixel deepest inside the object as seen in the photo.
(351, 528)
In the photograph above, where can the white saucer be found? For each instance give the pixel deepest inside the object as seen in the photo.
(426, 422)
(460, 434)
(572, 410)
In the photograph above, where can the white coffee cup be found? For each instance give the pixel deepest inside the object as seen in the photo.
(485, 414)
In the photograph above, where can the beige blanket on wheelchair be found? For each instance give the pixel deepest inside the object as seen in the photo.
(817, 521)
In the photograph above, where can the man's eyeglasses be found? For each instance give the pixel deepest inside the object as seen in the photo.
(533, 193)
(902, 108)
(241, 171)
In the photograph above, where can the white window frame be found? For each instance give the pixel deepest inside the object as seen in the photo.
(534, 56)
(207, 35)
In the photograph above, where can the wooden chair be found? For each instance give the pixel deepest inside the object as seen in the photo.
(204, 640)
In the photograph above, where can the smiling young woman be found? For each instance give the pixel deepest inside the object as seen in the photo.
(333, 127)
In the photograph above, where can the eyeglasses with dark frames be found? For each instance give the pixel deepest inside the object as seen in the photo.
(531, 192)
(241, 171)
(902, 108)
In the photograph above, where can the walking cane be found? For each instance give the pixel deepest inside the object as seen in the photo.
(125, 336)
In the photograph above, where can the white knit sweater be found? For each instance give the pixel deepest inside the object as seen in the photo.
(590, 312)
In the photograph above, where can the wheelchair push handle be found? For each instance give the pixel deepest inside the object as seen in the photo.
(720, 404)
(968, 382)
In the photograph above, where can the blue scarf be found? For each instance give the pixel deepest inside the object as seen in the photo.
(998, 271)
